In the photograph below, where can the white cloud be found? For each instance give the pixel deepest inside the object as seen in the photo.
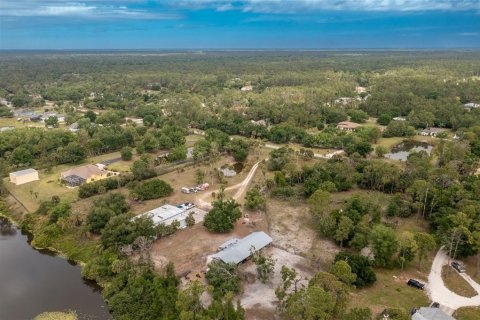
(85, 9)
(296, 6)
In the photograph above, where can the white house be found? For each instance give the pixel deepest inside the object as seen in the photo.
(24, 176)
(431, 132)
(166, 214)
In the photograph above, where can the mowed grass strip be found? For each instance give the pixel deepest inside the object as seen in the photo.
(455, 283)
(468, 313)
(390, 291)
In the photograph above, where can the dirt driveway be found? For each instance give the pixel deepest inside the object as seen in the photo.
(438, 292)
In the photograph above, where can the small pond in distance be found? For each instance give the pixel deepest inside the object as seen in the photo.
(402, 150)
(36, 281)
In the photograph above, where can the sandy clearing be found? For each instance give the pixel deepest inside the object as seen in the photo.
(262, 296)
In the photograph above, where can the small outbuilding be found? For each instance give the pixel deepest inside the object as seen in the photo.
(431, 314)
(237, 251)
(24, 176)
(348, 126)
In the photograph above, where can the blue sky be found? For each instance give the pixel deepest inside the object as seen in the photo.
(241, 24)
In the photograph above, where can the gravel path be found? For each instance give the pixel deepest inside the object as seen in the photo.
(438, 292)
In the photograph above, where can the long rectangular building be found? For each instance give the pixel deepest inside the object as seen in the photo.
(237, 251)
(166, 214)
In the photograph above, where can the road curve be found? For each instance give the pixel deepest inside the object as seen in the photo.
(438, 292)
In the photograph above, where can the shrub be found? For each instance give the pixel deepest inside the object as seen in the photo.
(152, 189)
(360, 266)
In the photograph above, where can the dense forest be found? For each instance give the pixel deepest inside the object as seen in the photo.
(239, 101)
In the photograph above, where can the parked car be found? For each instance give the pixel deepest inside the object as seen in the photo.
(457, 266)
(435, 305)
(416, 284)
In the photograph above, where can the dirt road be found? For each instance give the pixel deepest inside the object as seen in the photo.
(242, 186)
(438, 292)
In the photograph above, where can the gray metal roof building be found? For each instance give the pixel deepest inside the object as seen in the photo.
(236, 252)
(431, 314)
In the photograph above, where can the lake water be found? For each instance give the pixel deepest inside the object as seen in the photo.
(33, 281)
(402, 150)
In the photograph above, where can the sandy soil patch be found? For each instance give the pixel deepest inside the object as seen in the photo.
(259, 297)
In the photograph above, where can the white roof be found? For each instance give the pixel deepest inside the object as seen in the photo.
(425, 313)
(166, 214)
(240, 250)
(23, 172)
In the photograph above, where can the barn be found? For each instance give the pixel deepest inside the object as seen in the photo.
(24, 176)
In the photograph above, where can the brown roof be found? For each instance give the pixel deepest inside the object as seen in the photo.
(348, 124)
(84, 172)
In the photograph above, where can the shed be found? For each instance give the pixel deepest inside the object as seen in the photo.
(24, 176)
(425, 313)
(348, 126)
(236, 252)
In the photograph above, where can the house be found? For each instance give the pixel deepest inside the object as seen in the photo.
(84, 174)
(138, 121)
(167, 214)
(431, 314)
(259, 122)
(399, 119)
(74, 127)
(431, 132)
(228, 172)
(246, 88)
(348, 126)
(360, 89)
(24, 176)
(471, 105)
(237, 251)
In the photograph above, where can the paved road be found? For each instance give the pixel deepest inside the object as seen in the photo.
(438, 292)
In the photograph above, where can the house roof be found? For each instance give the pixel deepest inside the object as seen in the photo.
(425, 313)
(239, 251)
(23, 172)
(348, 124)
(84, 172)
(167, 213)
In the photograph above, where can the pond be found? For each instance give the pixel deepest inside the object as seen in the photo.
(403, 149)
(35, 281)
(237, 167)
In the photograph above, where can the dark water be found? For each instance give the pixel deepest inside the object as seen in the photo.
(32, 281)
(237, 167)
(402, 150)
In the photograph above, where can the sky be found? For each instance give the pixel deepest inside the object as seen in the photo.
(239, 24)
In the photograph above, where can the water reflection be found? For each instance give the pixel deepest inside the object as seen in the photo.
(402, 150)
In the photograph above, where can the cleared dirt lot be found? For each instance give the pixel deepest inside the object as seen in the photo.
(189, 248)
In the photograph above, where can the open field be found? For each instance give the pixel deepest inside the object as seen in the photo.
(391, 290)
(471, 268)
(468, 313)
(32, 193)
(457, 284)
(189, 248)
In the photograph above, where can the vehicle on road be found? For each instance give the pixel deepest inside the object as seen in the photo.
(457, 266)
(416, 284)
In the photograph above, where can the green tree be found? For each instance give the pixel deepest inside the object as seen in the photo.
(190, 220)
(199, 176)
(344, 229)
(239, 148)
(407, 247)
(342, 270)
(319, 203)
(380, 151)
(426, 243)
(152, 189)
(51, 121)
(254, 199)
(360, 266)
(223, 277)
(265, 264)
(384, 244)
(358, 314)
(222, 216)
(126, 153)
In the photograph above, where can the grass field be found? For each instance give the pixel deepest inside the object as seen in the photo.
(468, 313)
(391, 290)
(32, 193)
(456, 283)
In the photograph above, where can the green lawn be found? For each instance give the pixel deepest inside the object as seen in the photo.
(457, 284)
(468, 313)
(390, 290)
(32, 193)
